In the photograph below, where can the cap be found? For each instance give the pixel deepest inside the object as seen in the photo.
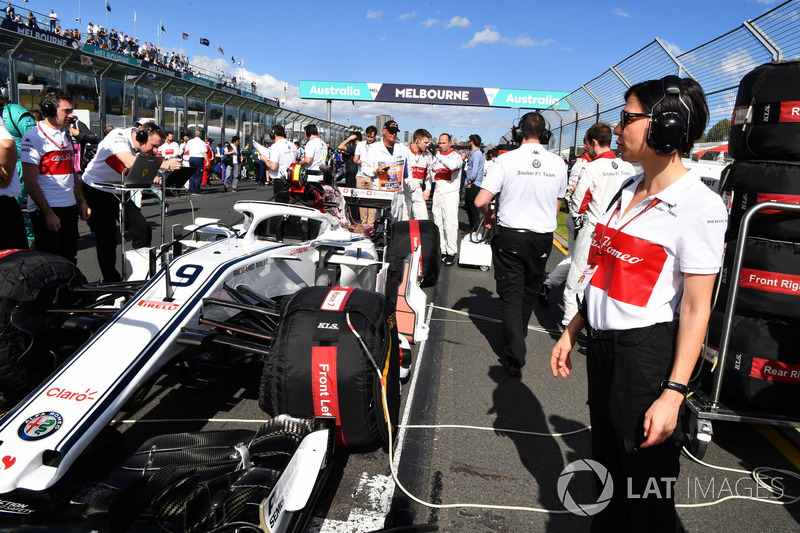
(391, 125)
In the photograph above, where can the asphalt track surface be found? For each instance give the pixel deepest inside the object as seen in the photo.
(501, 459)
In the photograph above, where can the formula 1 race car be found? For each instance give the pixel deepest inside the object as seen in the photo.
(106, 344)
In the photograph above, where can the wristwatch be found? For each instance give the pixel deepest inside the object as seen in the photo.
(673, 385)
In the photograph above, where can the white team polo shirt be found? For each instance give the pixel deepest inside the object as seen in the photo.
(169, 150)
(598, 183)
(282, 152)
(196, 147)
(639, 280)
(316, 149)
(362, 150)
(106, 166)
(530, 181)
(14, 188)
(419, 165)
(51, 151)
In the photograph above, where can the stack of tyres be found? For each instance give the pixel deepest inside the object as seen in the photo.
(763, 365)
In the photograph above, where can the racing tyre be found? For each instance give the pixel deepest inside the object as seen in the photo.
(25, 276)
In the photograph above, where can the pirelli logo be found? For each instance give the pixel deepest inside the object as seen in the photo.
(154, 304)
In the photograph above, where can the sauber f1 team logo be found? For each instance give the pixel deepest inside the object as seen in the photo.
(40, 425)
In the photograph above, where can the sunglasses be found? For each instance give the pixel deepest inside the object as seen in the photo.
(626, 118)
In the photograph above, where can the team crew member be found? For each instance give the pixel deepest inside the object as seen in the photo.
(315, 154)
(559, 274)
(279, 157)
(364, 181)
(447, 173)
(417, 185)
(116, 152)
(13, 236)
(170, 149)
(475, 167)
(198, 153)
(599, 181)
(233, 169)
(531, 183)
(386, 160)
(53, 186)
(665, 232)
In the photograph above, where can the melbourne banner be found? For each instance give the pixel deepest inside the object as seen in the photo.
(431, 94)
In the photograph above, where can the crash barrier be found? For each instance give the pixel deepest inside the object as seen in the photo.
(717, 65)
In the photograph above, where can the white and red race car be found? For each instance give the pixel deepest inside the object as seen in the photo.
(218, 292)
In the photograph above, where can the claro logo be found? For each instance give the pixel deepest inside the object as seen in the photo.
(64, 394)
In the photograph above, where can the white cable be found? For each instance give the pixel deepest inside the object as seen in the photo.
(487, 319)
(495, 430)
(756, 474)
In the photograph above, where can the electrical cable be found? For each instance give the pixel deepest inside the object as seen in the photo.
(757, 474)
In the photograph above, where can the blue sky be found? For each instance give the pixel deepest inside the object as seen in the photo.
(554, 46)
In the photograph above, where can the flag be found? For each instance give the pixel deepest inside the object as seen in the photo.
(185, 36)
(134, 17)
(220, 50)
(108, 6)
(163, 31)
(232, 59)
(204, 41)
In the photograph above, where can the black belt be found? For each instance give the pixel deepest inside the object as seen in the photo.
(620, 334)
(314, 172)
(521, 230)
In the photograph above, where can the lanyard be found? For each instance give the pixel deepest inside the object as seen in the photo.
(618, 207)
(50, 139)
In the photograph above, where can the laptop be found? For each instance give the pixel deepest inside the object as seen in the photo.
(142, 173)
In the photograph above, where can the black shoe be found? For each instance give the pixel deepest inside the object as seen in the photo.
(544, 295)
(444, 257)
(514, 371)
(450, 260)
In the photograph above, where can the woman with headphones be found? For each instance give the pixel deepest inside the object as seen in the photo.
(648, 288)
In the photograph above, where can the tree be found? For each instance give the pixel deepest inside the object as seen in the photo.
(719, 131)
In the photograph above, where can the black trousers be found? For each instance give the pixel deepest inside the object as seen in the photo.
(63, 242)
(519, 261)
(13, 235)
(473, 215)
(105, 215)
(625, 370)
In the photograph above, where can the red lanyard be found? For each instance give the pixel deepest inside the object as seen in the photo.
(599, 251)
(39, 125)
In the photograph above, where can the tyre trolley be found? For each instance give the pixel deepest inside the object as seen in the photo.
(703, 409)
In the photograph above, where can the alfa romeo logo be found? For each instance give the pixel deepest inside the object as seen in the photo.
(585, 465)
(614, 165)
(536, 163)
(40, 425)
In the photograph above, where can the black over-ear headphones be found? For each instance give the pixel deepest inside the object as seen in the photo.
(48, 108)
(668, 129)
(144, 131)
(544, 138)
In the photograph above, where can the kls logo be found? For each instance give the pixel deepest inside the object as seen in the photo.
(327, 325)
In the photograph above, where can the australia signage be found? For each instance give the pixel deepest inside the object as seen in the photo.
(431, 94)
